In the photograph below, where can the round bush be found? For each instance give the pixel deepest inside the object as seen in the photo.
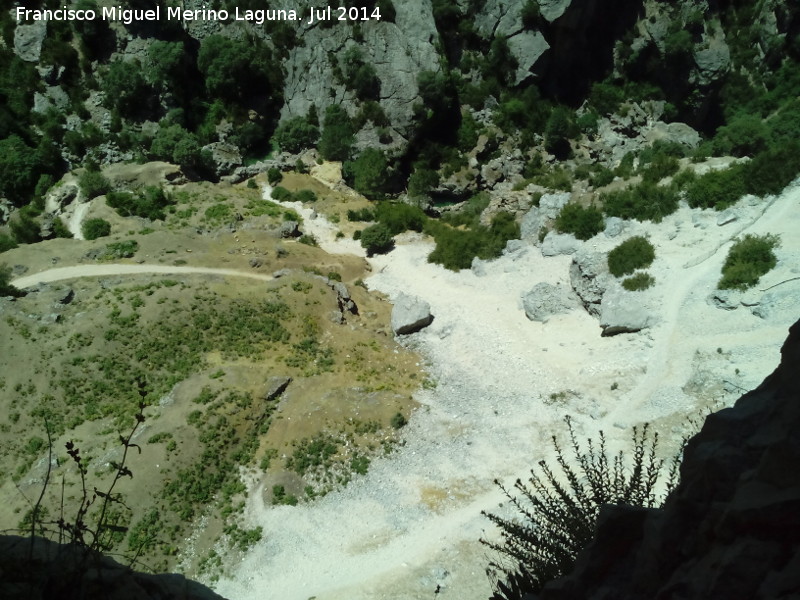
(634, 253)
(748, 259)
(377, 239)
(95, 228)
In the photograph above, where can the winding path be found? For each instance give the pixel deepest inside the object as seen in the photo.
(106, 270)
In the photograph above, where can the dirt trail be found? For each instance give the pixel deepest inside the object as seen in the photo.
(105, 270)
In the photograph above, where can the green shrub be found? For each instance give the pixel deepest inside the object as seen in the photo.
(95, 228)
(274, 176)
(634, 253)
(399, 217)
(60, 230)
(558, 512)
(305, 196)
(717, 189)
(644, 202)
(148, 203)
(456, 248)
(124, 249)
(281, 194)
(583, 223)
(377, 239)
(308, 239)
(469, 213)
(638, 282)
(93, 183)
(398, 421)
(748, 259)
(771, 171)
(601, 177)
(6, 289)
(744, 135)
(362, 214)
(7, 242)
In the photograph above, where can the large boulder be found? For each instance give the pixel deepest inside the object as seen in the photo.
(545, 300)
(225, 157)
(556, 244)
(549, 207)
(410, 314)
(28, 40)
(590, 277)
(622, 311)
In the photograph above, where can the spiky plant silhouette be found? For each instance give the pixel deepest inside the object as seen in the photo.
(558, 508)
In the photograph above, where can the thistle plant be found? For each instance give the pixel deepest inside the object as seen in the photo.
(558, 507)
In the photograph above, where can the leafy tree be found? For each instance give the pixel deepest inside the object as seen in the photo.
(236, 69)
(19, 169)
(95, 228)
(559, 130)
(337, 134)
(125, 88)
(744, 135)
(422, 181)
(166, 65)
(24, 226)
(634, 253)
(377, 239)
(369, 173)
(582, 222)
(296, 134)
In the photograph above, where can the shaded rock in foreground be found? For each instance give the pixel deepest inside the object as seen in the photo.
(67, 572)
(410, 314)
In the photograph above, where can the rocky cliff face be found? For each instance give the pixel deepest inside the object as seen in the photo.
(732, 527)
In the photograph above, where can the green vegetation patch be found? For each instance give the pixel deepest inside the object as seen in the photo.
(582, 222)
(748, 259)
(456, 248)
(634, 253)
(638, 282)
(644, 202)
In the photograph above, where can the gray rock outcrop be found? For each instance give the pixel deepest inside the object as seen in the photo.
(614, 227)
(28, 40)
(410, 314)
(289, 229)
(731, 528)
(622, 311)
(545, 300)
(589, 277)
(275, 387)
(539, 216)
(556, 244)
(225, 157)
